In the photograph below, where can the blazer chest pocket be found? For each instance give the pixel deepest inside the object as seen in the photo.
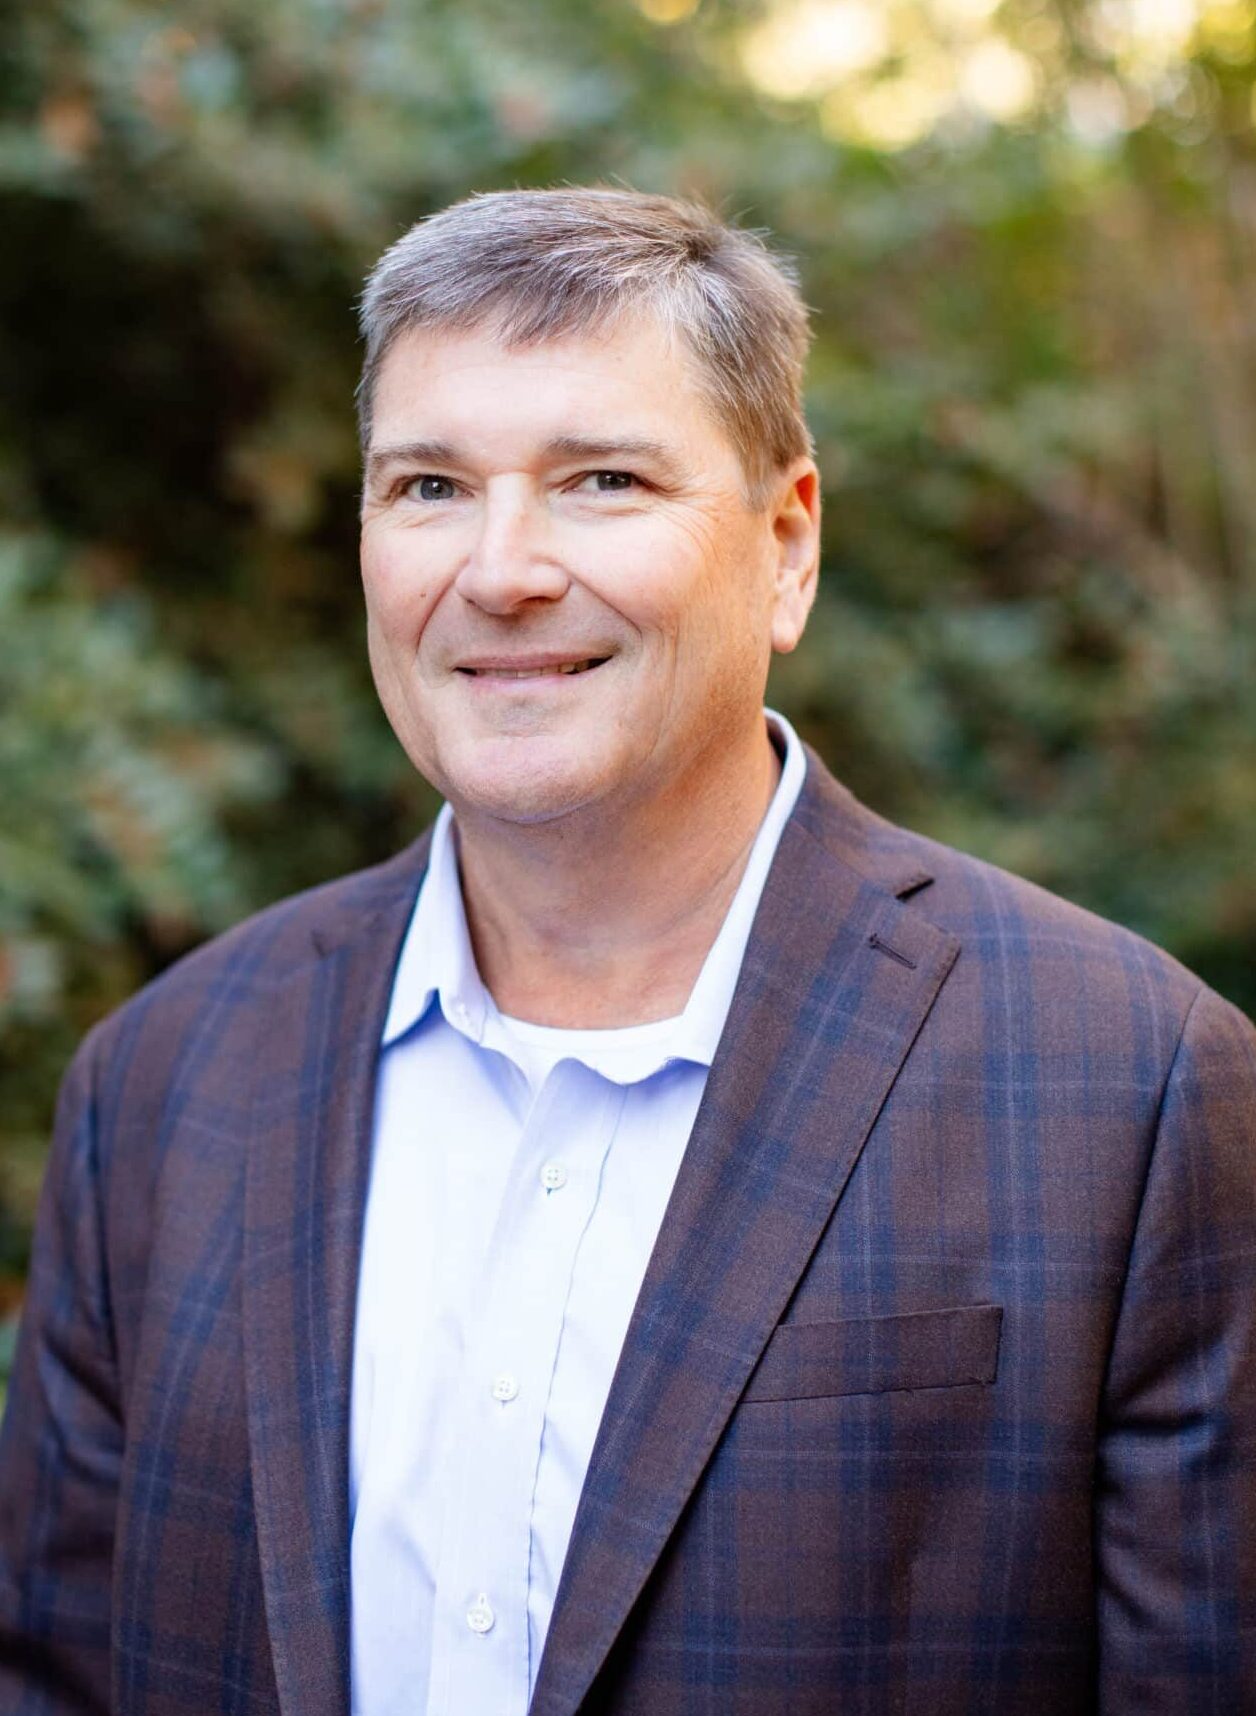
(878, 1355)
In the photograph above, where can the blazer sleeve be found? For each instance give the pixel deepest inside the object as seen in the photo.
(61, 1442)
(1175, 1495)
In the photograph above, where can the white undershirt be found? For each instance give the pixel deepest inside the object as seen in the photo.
(616, 1052)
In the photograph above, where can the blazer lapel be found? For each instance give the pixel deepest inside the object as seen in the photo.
(309, 1157)
(837, 980)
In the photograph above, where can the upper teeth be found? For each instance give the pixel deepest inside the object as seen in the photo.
(534, 672)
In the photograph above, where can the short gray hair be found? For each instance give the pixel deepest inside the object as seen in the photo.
(537, 265)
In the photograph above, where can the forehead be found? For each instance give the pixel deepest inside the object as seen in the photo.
(632, 378)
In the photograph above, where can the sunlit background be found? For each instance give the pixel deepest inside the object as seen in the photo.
(1028, 230)
(888, 75)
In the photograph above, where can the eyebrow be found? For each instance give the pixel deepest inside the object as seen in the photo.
(433, 453)
(628, 447)
(440, 455)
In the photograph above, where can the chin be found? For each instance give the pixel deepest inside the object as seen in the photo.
(502, 781)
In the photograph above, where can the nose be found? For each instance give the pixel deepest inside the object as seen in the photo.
(512, 558)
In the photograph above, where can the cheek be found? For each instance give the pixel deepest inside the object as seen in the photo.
(657, 578)
(729, 600)
(400, 586)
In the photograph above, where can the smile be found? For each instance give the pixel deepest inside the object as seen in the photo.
(548, 670)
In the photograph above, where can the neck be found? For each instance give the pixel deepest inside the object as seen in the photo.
(593, 921)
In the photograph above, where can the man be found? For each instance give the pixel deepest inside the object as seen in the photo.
(670, 1241)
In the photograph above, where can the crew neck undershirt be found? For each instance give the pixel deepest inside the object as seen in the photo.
(614, 1050)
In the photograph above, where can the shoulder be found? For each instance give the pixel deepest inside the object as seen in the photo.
(1077, 982)
(1057, 969)
(230, 985)
(1070, 1036)
(1006, 918)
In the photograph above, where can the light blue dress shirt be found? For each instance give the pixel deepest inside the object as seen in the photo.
(518, 1180)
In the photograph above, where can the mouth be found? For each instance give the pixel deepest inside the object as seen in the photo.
(531, 670)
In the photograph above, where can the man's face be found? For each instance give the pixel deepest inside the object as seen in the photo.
(569, 601)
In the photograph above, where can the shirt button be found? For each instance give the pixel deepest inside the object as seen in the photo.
(460, 1013)
(505, 1386)
(553, 1176)
(480, 1616)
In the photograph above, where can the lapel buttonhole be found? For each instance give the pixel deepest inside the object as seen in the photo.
(874, 940)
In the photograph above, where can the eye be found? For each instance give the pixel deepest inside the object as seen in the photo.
(430, 488)
(609, 482)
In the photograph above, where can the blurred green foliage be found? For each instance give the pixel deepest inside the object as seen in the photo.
(1034, 395)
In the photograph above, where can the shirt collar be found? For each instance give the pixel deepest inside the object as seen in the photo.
(702, 1023)
(437, 961)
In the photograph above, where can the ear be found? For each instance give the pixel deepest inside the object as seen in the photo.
(796, 531)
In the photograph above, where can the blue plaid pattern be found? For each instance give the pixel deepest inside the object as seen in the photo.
(940, 1392)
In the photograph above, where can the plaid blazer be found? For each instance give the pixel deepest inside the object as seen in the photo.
(940, 1391)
